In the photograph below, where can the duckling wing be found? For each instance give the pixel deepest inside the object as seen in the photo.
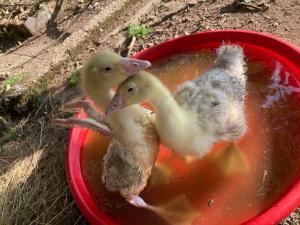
(211, 97)
(122, 172)
(208, 104)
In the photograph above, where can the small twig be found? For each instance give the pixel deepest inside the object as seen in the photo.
(8, 19)
(58, 6)
(126, 46)
(17, 4)
(170, 15)
(243, 4)
(248, 5)
(40, 106)
(130, 46)
(78, 219)
(197, 28)
(41, 133)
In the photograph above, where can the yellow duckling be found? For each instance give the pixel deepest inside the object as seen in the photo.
(132, 153)
(202, 111)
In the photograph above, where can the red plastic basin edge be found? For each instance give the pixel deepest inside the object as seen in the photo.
(285, 205)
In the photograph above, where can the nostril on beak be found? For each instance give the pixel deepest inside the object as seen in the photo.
(135, 64)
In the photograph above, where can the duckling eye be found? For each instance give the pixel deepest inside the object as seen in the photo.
(130, 89)
(107, 68)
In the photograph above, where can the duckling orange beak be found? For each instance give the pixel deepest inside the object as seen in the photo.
(132, 66)
(116, 104)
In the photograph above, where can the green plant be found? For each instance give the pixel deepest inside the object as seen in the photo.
(13, 80)
(44, 86)
(74, 78)
(35, 98)
(138, 31)
(37, 101)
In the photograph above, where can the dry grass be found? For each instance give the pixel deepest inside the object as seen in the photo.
(33, 187)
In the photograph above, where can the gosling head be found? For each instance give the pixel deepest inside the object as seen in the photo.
(111, 66)
(133, 90)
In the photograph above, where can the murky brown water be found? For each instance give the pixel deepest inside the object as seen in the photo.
(235, 181)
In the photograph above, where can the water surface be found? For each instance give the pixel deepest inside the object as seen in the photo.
(235, 181)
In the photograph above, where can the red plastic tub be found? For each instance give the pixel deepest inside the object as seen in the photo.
(270, 46)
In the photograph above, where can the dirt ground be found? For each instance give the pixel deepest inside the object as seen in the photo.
(33, 187)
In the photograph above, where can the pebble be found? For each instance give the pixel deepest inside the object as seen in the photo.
(35, 24)
(211, 203)
(152, 17)
(3, 77)
(266, 6)
(185, 20)
(251, 21)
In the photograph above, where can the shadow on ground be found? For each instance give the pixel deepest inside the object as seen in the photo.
(33, 188)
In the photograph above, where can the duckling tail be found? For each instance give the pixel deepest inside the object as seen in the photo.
(230, 57)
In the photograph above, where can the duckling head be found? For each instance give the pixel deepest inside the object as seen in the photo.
(107, 65)
(135, 89)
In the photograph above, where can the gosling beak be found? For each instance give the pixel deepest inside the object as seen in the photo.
(132, 66)
(116, 104)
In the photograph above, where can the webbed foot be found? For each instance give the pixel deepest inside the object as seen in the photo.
(86, 123)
